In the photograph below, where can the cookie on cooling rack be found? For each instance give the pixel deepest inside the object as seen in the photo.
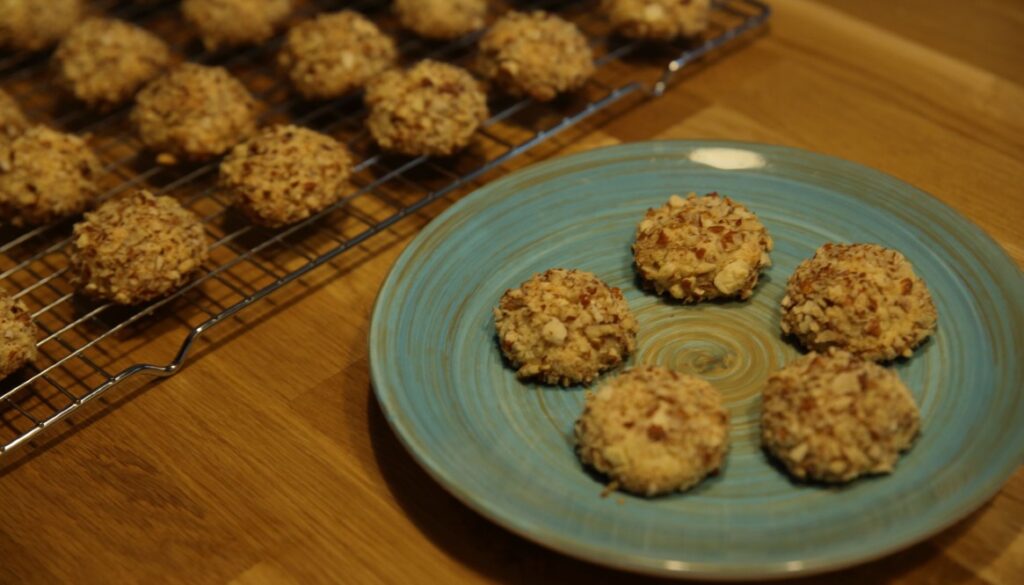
(194, 112)
(46, 175)
(284, 174)
(232, 23)
(834, 417)
(12, 119)
(535, 54)
(564, 327)
(104, 61)
(19, 335)
(657, 20)
(333, 54)
(863, 298)
(653, 431)
(441, 19)
(136, 248)
(25, 25)
(700, 248)
(433, 108)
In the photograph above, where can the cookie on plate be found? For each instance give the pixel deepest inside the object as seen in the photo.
(441, 19)
(653, 431)
(863, 298)
(536, 54)
(334, 54)
(12, 120)
(104, 61)
(700, 248)
(564, 327)
(46, 175)
(136, 248)
(194, 112)
(284, 174)
(232, 23)
(834, 417)
(27, 26)
(19, 335)
(657, 20)
(430, 109)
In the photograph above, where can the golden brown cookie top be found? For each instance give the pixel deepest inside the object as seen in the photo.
(653, 430)
(834, 417)
(46, 175)
(863, 298)
(432, 108)
(136, 248)
(536, 54)
(564, 327)
(230, 23)
(104, 61)
(285, 173)
(194, 112)
(332, 54)
(698, 248)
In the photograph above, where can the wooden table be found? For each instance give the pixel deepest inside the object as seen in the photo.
(268, 459)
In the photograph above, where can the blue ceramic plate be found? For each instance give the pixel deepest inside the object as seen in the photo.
(504, 447)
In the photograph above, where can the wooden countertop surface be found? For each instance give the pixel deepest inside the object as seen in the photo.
(267, 460)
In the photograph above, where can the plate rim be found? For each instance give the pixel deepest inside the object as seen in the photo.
(627, 561)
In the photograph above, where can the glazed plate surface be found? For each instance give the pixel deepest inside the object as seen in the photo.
(505, 448)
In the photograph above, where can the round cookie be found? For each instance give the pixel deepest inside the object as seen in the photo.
(836, 417)
(232, 23)
(284, 174)
(18, 335)
(441, 19)
(333, 54)
(564, 327)
(104, 61)
(46, 175)
(657, 20)
(26, 26)
(194, 112)
(701, 248)
(536, 54)
(431, 109)
(12, 119)
(653, 431)
(136, 248)
(862, 298)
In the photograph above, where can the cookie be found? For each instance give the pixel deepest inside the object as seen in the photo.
(284, 174)
(18, 335)
(104, 61)
(233, 23)
(431, 109)
(333, 54)
(535, 54)
(27, 26)
(657, 20)
(701, 248)
(136, 248)
(194, 112)
(653, 431)
(564, 327)
(863, 298)
(836, 417)
(12, 120)
(441, 19)
(46, 175)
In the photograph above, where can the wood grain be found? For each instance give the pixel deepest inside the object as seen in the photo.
(267, 459)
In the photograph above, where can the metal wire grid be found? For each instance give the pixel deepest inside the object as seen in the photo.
(90, 347)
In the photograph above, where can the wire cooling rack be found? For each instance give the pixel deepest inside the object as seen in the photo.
(88, 347)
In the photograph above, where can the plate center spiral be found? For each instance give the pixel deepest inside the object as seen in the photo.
(733, 346)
